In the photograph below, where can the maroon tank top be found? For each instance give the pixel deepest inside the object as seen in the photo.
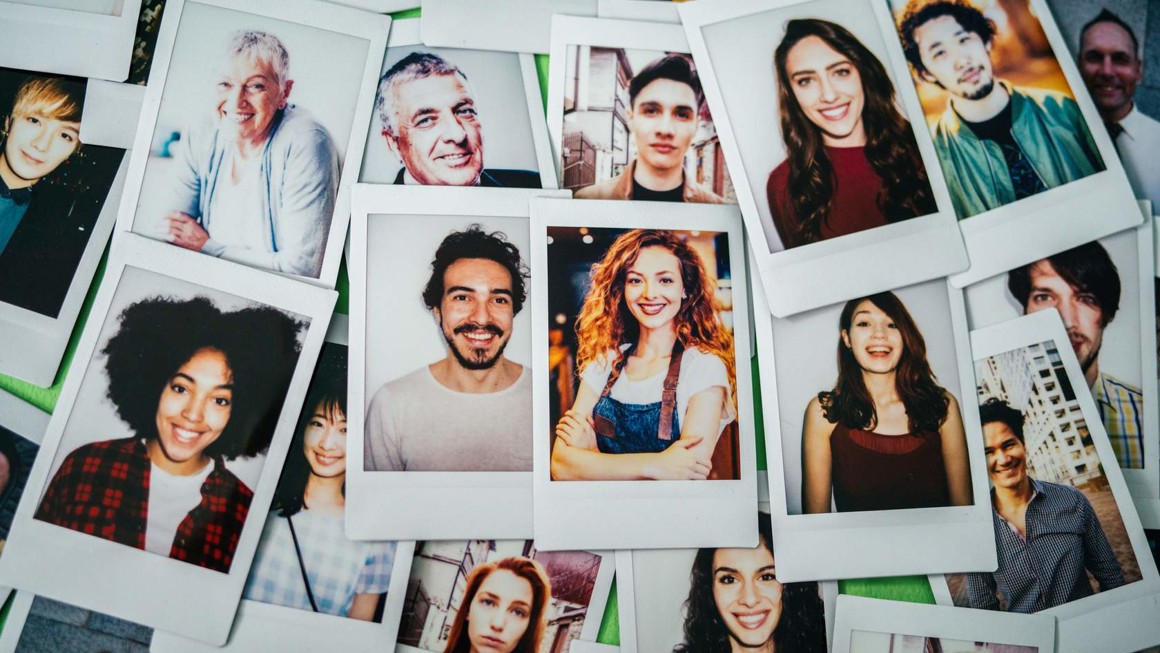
(887, 472)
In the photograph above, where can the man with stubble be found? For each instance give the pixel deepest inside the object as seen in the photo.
(472, 409)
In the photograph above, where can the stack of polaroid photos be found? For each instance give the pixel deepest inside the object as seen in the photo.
(354, 370)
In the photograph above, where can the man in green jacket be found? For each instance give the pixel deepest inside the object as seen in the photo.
(997, 143)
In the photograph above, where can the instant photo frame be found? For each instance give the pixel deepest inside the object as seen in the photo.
(487, 75)
(440, 505)
(658, 11)
(88, 41)
(920, 248)
(121, 580)
(874, 543)
(1127, 611)
(493, 26)
(640, 513)
(324, 19)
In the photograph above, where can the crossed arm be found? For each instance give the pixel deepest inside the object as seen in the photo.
(575, 455)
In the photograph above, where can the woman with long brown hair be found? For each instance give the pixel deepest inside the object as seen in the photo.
(502, 610)
(657, 373)
(852, 162)
(887, 436)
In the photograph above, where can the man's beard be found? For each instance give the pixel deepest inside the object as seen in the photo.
(983, 91)
(477, 359)
(1092, 356)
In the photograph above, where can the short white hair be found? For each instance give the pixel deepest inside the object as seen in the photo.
(417, 65)
(263, 46)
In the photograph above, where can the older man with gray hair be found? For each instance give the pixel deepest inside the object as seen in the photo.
(257, 184)
(431, 123)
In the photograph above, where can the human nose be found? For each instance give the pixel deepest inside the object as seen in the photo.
(1067, 310)
(453, 131)
(829, 93)
(327, 441)
(498, 621)
(748, 596)
(194, 408)
(42, 140)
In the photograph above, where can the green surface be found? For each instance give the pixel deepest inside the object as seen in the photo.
(910, 588)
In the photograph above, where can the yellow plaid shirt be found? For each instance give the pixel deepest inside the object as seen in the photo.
(1122, 412)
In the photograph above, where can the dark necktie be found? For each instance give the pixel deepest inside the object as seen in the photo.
(1114, 130)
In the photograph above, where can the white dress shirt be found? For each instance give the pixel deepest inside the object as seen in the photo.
(1138, 146)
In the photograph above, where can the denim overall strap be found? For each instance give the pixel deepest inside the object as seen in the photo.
(668, 396)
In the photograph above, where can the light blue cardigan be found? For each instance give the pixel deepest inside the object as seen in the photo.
(299, 172)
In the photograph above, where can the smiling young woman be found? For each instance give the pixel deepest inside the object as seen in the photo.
(197, 387)
(852, 160)
(656, 367)
(887, 436)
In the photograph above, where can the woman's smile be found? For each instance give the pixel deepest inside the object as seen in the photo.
(752, 620)
(654, 288)
(652, 308)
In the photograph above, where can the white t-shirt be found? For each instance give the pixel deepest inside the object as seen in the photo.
(236, 217)
(699, 371)
(171, 498)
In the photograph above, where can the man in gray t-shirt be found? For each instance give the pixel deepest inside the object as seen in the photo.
(472, 409)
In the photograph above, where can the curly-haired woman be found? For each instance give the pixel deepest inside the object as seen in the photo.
(657, 373)
(852, 162)
(197, 386)
(737, 605)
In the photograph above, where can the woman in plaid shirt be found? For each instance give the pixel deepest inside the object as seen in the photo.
(197, 387)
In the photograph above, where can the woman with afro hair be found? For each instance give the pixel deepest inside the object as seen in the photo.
(197, 386)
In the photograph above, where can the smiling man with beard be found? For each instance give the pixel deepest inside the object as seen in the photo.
(472, 409)
(1041, 528)
(996, 143)
(1084, 286)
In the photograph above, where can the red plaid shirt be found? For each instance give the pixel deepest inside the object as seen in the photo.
(102, 489)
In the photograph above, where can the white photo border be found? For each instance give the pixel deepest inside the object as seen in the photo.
(68, 42)
(633, 514)
(656, 12)
(868, 544)
(145, 595)
(520, 26)
(439, 505)
(1129, 610)
(924, 620)
(863, 263)
(373, 28)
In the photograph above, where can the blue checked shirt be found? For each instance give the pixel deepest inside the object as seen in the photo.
(1122, 412)
(338, 568)
(1063, 539)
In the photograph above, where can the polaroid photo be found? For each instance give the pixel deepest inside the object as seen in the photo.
(1021, 144)
(626, 117)
(656, 11)
(252, 132)
(850, 488)
(641, 381)
(182, 397)
(676, 600)
(876, 626)
(504, 25)
(1109, 42)
(842, 214)
(1102, 292)
(85, 38)
(22, 428)
(1056, 496)
(65, 191)
(38, 624)
(580, 646)
(378, 6)
(502, 595)
(310, 586)
(456, 141)
(440, 370)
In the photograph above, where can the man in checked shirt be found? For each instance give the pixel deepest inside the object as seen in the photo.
(1048, 535)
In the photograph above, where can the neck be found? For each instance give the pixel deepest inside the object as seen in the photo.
(983, 108)
(881, 387)
(454, 376)
(1013, 497)
(1119, 113)
(11, 179)
(184, 468)
(324, 494)
(765, 647)
(656, 343)
(656, 179)
(1091, 373)
(856, 138)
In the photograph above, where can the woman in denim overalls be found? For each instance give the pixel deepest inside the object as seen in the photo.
(656, 367)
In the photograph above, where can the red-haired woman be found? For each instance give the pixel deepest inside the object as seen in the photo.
(657, 372)
(888, 436)
(502, 610)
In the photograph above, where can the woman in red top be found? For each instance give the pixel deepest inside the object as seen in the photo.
(196, 386)
(852, 160)
(888, 436)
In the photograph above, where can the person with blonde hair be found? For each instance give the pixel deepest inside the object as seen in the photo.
(657, 373)
(257, 185)
(503, 609)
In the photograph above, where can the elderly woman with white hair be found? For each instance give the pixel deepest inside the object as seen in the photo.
(257, 184)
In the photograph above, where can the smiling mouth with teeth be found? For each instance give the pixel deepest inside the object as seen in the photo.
(651, 309)
(835, 113)
(185, 436)
(752, 621)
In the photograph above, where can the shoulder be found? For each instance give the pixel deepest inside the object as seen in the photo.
(299, 128)
(503, 178)
(120, 447)
(1045, 100)
(815, 413)
(416, 381)
(698, 195)
(697, 359)
(778, 179)
(1058, 492)
(230, 485)
(600, 365)
(599, 191)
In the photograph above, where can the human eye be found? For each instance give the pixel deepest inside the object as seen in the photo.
(891, 325)
(223, 402)
(32, 119)
(520, 612)
(685, 113)
(843, 71)
(726, 579)
(501, 300)
(255, 87)
(862, 323)
(938, 53)
(804, 81)
(1041, 298)
(224, 85)
(1088, 299)
(488, 601)
(466, 111)
(768, 576)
